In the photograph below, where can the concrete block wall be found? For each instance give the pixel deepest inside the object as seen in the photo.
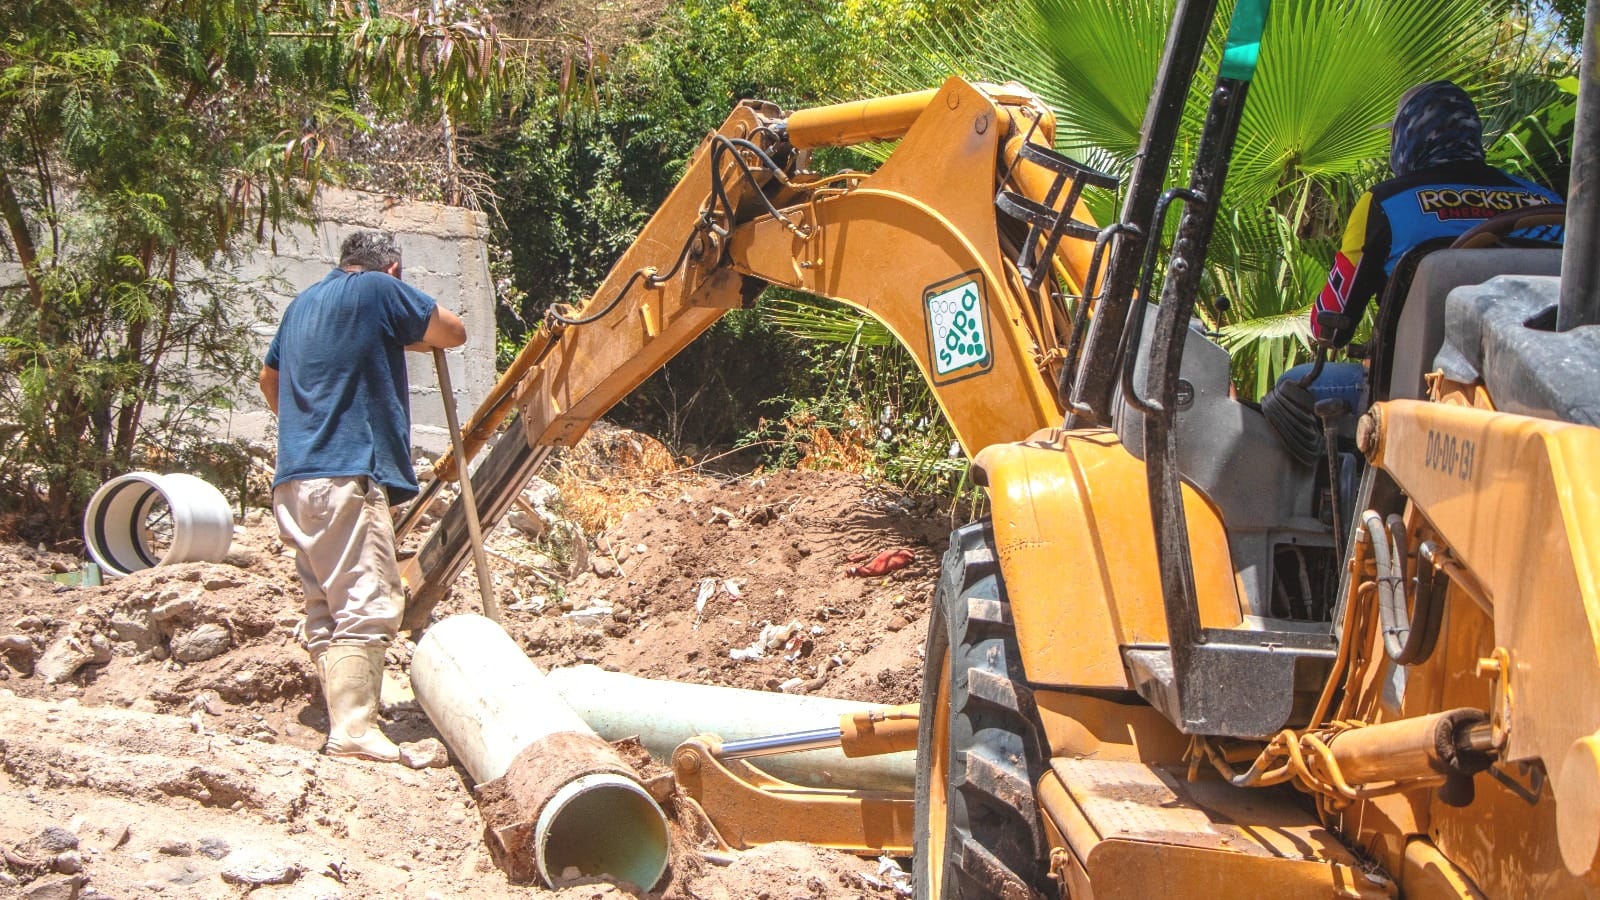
(444, 255)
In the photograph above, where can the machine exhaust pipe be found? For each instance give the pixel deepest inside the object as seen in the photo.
(664, 714)
(557, 801)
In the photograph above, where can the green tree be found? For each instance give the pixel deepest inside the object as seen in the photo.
(1308, 143)
(574, 186)
(140, 149)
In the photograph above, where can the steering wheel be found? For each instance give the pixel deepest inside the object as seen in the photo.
(1491, 232)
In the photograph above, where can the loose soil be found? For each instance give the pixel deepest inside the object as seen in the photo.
(183, 741)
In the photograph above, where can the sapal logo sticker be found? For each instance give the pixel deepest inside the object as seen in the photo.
(958, 327)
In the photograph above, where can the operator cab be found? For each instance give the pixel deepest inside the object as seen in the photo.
(1278, 536)
(1280, 509)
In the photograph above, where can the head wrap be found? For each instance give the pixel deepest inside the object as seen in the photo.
(1435, 124)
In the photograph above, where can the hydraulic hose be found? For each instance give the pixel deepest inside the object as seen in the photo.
(1389, 554)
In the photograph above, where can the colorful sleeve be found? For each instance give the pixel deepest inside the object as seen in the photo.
(1355, 276)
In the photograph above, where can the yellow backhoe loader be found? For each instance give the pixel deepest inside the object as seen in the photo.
(1179, 659)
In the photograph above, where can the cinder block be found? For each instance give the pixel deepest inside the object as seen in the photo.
(432, 254)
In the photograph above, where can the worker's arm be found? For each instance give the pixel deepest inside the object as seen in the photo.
(445, 330)
(1356, 276)
(269, 387)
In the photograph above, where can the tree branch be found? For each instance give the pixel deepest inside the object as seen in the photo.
(17, 224)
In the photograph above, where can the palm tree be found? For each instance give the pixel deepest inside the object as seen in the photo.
(1309, 141)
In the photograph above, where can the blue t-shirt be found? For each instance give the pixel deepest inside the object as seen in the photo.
(343, 409)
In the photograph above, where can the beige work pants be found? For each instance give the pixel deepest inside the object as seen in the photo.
(343, 540)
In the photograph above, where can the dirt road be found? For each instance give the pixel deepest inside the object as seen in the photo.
(159, 734)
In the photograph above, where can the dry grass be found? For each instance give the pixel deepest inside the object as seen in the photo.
(614, 471)
(825, 449)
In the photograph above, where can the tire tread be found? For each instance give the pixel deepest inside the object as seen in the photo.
(995, 837)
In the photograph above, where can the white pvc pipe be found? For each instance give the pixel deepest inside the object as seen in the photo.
(114, 522)
(664, 714)
(490, 703)
(485, 696)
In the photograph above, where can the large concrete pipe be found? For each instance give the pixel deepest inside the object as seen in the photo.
(664, 714)
(557, 801)
(142, 519)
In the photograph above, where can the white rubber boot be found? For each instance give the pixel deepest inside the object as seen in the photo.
(351, 677)
(316, 669)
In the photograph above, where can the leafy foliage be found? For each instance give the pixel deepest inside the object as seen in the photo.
(575, 187)
(1568, 15)
(1330, 72)
(874, 412)
(140, 149)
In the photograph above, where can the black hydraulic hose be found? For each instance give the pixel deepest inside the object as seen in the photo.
(720, 145)
(1408, 636)
(605, 310)
(1428, 614)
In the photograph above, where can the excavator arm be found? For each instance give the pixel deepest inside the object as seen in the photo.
(959, 243)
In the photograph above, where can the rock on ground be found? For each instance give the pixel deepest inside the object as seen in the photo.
(428, 753)
(177, 726)
(255, 867)
(204, 642)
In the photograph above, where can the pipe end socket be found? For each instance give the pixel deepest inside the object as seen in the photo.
(601, 825)
(142, 520)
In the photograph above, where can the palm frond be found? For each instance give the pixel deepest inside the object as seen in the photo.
(1330, 73)
(822, 321)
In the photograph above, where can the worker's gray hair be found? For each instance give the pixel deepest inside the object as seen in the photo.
(371, 250)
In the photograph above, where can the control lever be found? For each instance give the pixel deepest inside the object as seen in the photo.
(1331, 411)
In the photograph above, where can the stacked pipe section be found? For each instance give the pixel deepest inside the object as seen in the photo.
(557, 801)
(664, 714)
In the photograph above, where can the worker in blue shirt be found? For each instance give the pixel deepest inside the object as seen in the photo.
(335, 375)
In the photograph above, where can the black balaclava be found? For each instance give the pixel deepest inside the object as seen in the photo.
(1435, 124)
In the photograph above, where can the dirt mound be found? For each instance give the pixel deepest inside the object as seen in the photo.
(166, 722)
(700, 577)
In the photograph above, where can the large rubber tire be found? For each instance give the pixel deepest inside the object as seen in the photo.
(978, 829)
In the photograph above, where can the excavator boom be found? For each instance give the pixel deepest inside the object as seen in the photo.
(957, 243)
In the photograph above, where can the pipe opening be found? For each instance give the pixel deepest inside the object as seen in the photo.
(602, 825)
(142, 520)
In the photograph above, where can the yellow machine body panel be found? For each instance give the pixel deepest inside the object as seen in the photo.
(915, 249)
(1134, 831)
(1072, 529)
(1515, 501)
